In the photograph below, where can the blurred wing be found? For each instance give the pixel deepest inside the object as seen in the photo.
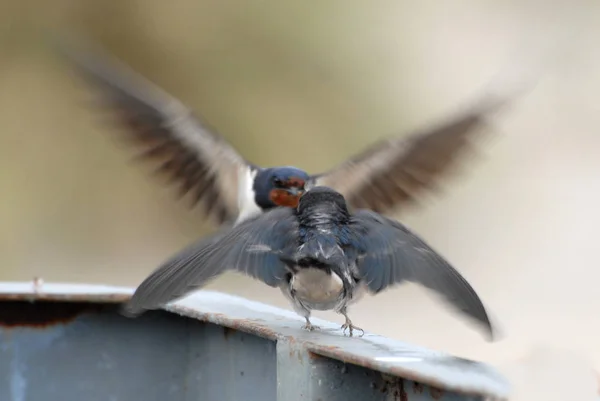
(395, 172)
(181, 274)
(394, 254)
(256, 247)
(252, 247)
(201, 162)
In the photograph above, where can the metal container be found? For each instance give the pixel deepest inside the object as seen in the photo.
(69, 343)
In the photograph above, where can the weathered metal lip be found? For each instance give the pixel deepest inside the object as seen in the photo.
(375, 352)
(29, 291)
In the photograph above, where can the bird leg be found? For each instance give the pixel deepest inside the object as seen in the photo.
(348, 325)
(309, 326)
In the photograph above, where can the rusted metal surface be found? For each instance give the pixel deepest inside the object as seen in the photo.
(304, 375)
(370, 351)
(321, 365)
(34, 291)
(36, 315)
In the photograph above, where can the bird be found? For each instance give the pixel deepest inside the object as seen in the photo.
(389, 175)
(321, 255)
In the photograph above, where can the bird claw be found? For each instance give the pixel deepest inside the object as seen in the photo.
(350, 327)
(310, 327)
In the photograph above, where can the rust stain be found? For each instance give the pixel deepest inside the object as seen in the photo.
(330, 351)
(41, 316)
(395, 388)
(298, 353)
(418, 388)
(244, 325)
(41, 296)
(408, 375)
(403, 394)
(250, 326)
(227, 332)
(436, 393)
(299, 357)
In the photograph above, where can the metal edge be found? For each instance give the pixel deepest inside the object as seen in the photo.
(371, 351)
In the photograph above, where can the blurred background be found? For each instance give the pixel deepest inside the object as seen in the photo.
(309, 85)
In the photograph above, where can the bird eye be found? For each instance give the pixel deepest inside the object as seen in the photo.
(277, 182)
(298, 183)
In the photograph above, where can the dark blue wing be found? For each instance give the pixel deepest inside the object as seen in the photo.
(253, 247)
(182, 273)
(256, 247)
(391, 254)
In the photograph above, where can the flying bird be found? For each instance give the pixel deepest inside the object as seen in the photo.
(319, 254)
(389, 175)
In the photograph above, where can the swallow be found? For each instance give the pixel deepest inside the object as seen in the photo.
(391, 174)
(319, 254)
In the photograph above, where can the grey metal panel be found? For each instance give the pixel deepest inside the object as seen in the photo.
(104, 356)
(88, 351)
(226, 364)
(96, 357)
(304, 376)
(371, 351)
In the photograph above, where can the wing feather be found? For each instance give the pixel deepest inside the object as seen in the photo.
(395, 172)
(254, 247)
(393, 254)
(166, 132)
(182, 273)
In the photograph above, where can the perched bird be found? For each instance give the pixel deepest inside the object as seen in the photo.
(387, 176)
(321, 256)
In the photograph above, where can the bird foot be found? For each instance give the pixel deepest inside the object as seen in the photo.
(309, 326)
(350, 327)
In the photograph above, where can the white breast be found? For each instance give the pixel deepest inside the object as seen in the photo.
(315, 286)
(246, 197)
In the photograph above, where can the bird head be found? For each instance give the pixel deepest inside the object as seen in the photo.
(280, 186)
(324, 200)
(323, 197)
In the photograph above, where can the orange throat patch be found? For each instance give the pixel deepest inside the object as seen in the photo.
(281, 197)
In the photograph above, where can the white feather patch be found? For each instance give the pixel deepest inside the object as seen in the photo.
(246, 196)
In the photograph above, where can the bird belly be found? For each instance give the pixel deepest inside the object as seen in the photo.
(316, 289)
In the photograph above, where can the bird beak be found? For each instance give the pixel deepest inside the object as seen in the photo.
(295, 191)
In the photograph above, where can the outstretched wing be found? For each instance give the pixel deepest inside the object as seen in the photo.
(184, 272)
(393, 254)
(395, 172)
(254, 247)
(258, 247)
(200, 161)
